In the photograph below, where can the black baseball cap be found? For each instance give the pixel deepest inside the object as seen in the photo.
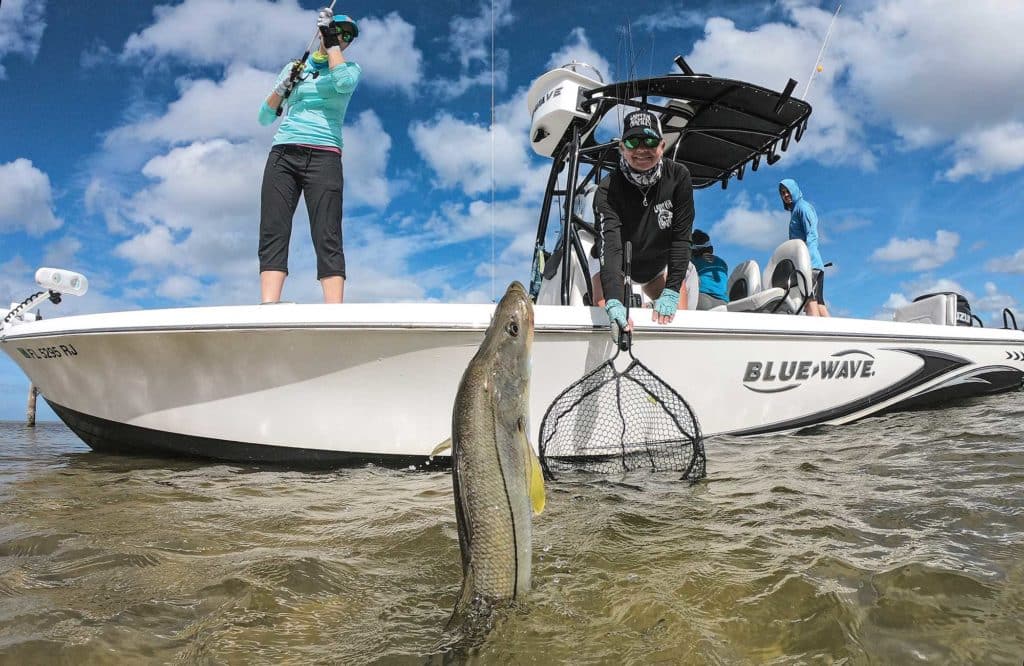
(641, 124)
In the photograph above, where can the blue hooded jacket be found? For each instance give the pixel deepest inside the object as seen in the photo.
(803, 222)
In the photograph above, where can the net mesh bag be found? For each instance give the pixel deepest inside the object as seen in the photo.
(613, 422)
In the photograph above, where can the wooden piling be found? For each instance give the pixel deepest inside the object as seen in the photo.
(30, 416)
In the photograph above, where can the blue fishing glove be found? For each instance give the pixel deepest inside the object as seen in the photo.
(616, 316)
(667, 303)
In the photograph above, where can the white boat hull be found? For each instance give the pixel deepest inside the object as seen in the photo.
(327, 384)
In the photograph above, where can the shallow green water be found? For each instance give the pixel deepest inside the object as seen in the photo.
(898, 540)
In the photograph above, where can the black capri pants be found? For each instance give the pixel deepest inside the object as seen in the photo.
(317, 174)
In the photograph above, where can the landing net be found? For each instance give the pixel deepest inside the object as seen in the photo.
(611, 422)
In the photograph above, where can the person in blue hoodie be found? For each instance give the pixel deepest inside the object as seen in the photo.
(803, 224)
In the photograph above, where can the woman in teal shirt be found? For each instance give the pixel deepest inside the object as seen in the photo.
(306, 158)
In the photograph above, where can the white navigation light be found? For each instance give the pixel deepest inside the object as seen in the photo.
(62, 281)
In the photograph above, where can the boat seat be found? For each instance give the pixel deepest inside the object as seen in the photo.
(745, 293)
(789, 269)
(935, 309)
(744, 281)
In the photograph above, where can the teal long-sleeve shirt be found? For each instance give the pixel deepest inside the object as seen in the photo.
(316, 108)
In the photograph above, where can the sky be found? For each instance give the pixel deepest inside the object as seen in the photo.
(130, 150)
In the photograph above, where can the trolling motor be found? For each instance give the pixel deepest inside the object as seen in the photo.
(55, 282)
(346, 30)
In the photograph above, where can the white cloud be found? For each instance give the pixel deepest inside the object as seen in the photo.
(480, 61)
(988, 152)
(928, 284)
(16, 281)
(210, 32)
(1011, 264)
(367, 148)
(913, 60)
(386, 52)
(992, 302)
(154, 247)
(578, 48)
(179, 287)
(104, 200)
(761, 228)
(670, 18)
(471, 36)
(893, 303)
(470, 39)
(62, 252)
(461, 154)
(896, 301)
(849, 223)
(203, 32)
(22, 23)
(206, 109)
(207, 184)
(457, 223)
(26, 199)
(918, 254)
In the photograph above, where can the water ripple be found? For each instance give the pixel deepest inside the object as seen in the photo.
(894, 540)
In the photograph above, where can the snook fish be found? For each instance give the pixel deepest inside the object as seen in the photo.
(496, 475)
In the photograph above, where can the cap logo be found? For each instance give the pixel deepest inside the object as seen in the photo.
(641, 119)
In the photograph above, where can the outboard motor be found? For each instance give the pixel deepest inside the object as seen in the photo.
(963, 314)
(554, 101)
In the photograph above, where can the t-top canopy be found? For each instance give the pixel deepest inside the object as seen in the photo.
(712, 125)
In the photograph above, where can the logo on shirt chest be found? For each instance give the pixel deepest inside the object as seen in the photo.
(664, 213)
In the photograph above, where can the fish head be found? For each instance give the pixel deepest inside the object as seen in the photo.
(506, 350)
(507, 343)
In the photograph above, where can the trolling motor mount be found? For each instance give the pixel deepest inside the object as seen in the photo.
(55, 282)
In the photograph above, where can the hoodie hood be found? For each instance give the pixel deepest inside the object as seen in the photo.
(794, 190)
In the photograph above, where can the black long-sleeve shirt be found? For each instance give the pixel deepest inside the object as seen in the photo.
(660, 232)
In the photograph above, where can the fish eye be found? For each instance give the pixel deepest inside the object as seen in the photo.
(512, 328)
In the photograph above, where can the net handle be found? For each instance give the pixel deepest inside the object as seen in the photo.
(626, 336)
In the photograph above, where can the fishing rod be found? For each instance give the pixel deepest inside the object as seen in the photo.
(296, 73)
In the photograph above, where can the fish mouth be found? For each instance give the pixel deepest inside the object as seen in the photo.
(517, 288)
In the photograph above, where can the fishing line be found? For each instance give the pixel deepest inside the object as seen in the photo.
(821, 53)
(493, 268)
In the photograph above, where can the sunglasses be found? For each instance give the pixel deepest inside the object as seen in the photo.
(634, 142)
(344, 32)
(345, 35)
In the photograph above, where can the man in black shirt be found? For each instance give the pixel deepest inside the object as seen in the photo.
(649, 202)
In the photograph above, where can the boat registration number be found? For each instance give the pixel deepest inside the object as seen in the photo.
(53, 351)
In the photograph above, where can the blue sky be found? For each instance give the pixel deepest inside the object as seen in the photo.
(130, 151)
